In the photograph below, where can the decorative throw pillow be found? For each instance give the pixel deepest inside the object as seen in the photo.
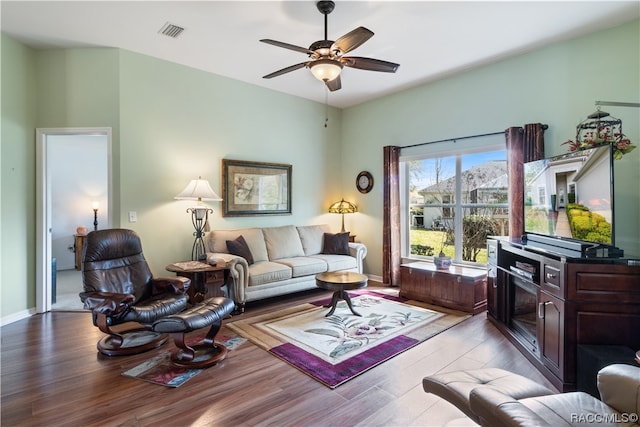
(336, 244)
(239, 247)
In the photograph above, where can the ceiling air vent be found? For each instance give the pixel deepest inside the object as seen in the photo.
(171, 30)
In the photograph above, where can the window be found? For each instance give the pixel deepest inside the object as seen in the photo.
(542, 196)
(453, 202)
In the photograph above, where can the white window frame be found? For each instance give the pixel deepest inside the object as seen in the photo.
(450, 149)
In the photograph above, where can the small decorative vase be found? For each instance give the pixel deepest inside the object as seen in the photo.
(81, 231)
(442, 262)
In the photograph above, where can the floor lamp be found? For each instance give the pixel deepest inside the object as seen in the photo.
(199, 190)
(94, 206)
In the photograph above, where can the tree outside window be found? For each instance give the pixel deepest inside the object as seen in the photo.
(462, 200)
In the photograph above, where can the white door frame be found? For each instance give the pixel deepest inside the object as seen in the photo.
(43, 206)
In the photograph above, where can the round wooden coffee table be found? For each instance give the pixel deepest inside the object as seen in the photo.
(340, 282)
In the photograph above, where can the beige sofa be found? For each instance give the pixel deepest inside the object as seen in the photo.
(286, 259)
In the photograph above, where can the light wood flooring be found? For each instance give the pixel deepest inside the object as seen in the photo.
(52, 375)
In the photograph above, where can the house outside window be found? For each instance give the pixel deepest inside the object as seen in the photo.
(542, 196)
(453, 202)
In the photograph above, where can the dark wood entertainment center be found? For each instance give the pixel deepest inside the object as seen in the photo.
(548, 304)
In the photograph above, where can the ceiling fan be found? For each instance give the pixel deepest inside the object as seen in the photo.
(326, 56)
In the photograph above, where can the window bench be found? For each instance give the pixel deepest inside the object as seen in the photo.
(459, 288)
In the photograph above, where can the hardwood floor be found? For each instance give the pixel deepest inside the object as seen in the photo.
(52, 375)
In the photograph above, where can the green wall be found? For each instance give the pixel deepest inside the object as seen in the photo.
(172, 123)
(557, 85)
(17, 201)
(178, 123)
(79, 88)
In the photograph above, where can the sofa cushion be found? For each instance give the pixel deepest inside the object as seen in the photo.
(338, 262)
(304, 266)
(336, 244)
(312, 237)
(239, 247)
(282, 242)
(266, 272)
(216, 241)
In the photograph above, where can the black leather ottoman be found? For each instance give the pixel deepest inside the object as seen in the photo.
(206, 352)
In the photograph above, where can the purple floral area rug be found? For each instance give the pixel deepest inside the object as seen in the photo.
(337, 348)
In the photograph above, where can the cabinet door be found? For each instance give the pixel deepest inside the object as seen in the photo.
(551, 332)
(493, 294)
(553, 277)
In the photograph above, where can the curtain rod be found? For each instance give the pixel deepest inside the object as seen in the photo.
(618, 104)
(453, 139)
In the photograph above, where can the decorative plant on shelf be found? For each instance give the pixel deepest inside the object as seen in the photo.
(621, 144)
(442, 261)
(601, 129)
(443, 242)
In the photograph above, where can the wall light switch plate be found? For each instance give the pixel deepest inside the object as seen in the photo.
(133, 216)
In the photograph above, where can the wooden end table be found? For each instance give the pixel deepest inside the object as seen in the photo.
(78, 246)
(340, 282)
(206, 279)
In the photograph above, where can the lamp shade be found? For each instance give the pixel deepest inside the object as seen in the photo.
(326, 69)
(198, 189)
(343, 207)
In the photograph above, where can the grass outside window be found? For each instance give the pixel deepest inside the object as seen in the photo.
(433, 239)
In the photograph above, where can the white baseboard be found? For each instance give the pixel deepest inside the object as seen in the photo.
(375, 278)
(24, 314)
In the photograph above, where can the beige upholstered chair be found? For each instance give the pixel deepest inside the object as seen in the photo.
(496, 398)
(619, 387)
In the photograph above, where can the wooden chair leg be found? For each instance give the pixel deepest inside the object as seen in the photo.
(202, 354)
(134, 340)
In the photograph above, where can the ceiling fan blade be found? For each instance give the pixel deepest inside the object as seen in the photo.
(285, 70)
(353, 39)
(369, 64)
(288, 46)
(334, 84)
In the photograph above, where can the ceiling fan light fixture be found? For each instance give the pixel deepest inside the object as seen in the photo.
(326, 56)
(325, 69)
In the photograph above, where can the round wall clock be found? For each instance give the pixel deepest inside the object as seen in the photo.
(364, 182)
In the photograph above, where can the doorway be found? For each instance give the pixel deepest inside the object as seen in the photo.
(73, 197)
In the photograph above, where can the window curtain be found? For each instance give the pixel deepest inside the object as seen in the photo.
(523, 145)
(391, 217)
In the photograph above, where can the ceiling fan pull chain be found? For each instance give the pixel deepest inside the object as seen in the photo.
(326, 106)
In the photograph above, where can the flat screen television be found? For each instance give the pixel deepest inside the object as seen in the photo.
(571, 196)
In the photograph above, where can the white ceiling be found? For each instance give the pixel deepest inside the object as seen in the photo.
(429, 39)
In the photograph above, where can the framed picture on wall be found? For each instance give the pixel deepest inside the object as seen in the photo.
(254, 188)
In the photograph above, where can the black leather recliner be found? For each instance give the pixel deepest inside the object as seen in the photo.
(119, 289)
